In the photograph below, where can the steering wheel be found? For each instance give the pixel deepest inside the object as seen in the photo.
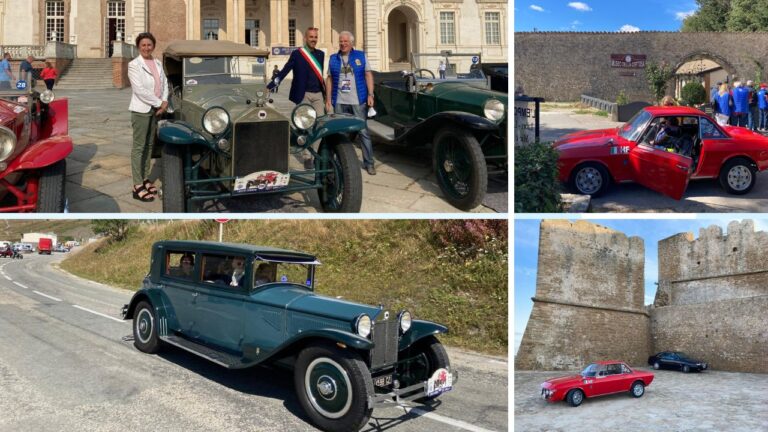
(421, 72)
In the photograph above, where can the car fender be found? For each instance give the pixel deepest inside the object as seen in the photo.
(56, 119)
(176, 132)
(298, 342)
(419, 330)
(427, 128)
(334, 124)
(41, 154)
(155, 297)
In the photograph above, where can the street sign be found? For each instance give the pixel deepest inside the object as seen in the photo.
(222, 220)
(21, 85)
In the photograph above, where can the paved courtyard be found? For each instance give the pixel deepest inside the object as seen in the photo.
(99, 169)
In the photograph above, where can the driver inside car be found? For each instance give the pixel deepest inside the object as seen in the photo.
(667, 135)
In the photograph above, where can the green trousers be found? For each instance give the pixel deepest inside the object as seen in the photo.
(144, 131)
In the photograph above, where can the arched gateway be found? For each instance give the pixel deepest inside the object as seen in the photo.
(402, 38)
(561, 66)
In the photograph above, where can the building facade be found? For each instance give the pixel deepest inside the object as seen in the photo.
(388, 30)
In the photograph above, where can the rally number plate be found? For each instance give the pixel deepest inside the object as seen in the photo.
(262, 181)
(440, 382)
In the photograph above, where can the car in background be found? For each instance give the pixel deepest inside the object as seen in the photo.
(34, 145)
(45, 246)
(240, 306)
(676, 360)
(498, 75)
(463, 121)
(224, 140)
(589, 161)
(597, 379)
(61, 248)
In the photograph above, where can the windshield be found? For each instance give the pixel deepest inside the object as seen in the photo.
(590, 371)
(631, 130)
(224, 70)
(267, 272)
(682, 356)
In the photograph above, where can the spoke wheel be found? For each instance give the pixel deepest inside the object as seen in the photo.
(459, 167)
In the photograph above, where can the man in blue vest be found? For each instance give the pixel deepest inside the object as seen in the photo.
(307, 85)
(349, 88)
(740, 104)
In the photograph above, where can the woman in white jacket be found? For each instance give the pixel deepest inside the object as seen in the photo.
(148, 102)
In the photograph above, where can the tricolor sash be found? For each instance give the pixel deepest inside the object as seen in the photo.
(315, 65)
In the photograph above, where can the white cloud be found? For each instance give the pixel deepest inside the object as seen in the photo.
(579, 6)
(683, 15)
(537, 8)
(629, 28)
(575, 24)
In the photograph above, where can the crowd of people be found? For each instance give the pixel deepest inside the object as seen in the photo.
(741, 104)
(26, 73)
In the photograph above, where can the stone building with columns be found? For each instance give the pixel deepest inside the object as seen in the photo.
(388, 30)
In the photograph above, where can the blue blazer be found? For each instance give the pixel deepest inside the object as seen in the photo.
(302, 73)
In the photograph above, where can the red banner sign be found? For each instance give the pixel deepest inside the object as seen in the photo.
(629, 61)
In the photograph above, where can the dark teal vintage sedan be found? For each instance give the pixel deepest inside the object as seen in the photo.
(459, 116)
(241, 306)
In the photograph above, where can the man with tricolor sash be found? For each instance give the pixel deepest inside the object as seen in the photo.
(308, 85)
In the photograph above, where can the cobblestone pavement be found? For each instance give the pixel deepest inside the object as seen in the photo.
(99, 169)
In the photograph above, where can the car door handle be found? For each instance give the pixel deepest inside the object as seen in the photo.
(194, 295)
(682, 167)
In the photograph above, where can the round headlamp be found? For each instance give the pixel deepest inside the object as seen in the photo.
(493, 109)
(304, 116)
(363, 325)
(215, 120)
(47, 96)
(405, 321)
(7, 142)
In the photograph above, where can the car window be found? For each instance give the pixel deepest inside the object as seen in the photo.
(632, 129)
(625, 369)
(709, 130)
(590, 370)
(224, 70)
(613, 369)
(224, 270)
(180, 264)
(266, 272)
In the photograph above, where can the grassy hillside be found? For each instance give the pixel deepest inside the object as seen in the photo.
(398, 263)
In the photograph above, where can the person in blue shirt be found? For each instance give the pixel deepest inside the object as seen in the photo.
(723, 105)
(752, 113)
(762, 105)
(6, 76)
(740, 105)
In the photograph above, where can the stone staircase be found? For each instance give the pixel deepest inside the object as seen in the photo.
(86, 73)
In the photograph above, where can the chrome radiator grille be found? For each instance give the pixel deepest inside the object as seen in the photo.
(260, 146)
(385, 335)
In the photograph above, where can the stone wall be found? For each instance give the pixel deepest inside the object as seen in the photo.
(560, 66)
(712, 300)
(589, 299)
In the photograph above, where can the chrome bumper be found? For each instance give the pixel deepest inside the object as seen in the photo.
(124, 311)
(396, 395)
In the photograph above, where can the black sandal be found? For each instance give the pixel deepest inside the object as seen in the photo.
(150, 187)
(145, 197)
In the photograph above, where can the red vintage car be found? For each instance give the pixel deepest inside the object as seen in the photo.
(597, 379)
(693, 147)
(34, 144)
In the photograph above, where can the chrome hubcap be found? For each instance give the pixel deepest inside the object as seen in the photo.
(448, 166)
(589, 180)
(326, 386)
(638, 390)
(739, 177)
(577, 397)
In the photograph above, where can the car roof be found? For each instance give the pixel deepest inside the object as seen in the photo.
(234, 248)
(194, 48)
(607, 362)
(673, 110)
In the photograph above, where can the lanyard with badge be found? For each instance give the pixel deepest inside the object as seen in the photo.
(346, 82)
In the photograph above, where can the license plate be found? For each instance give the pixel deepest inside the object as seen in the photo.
(440, 382)
(383, 381)
(261, 181)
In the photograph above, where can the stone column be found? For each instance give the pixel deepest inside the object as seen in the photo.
(321, 18)
(278, 22)
(193, 13)
(373, 38)
(235, 15)
(360, 40)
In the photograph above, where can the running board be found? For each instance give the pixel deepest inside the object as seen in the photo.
(381, 130)
(229, 361)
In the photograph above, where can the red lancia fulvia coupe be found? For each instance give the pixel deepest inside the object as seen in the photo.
(662, 148)
(597, 379)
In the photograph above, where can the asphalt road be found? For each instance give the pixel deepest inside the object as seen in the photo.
(65, 366)
(701, 196)
(711, 401)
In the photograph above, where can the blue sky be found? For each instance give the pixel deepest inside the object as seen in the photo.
(601, 15)
(527, 249)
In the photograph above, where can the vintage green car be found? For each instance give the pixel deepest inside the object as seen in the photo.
(223, 139)
(459, 116)
(241, 306)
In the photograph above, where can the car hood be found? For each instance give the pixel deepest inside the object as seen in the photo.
(299, 299)
(238, 101)
(742, 133)
(464, 97)
(587, 137)
(562, 381)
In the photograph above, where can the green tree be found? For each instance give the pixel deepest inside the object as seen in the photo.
(712, 15)
(748, 16)
(693, 93)
(658, 75)
(537, 189)
(116, 229)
